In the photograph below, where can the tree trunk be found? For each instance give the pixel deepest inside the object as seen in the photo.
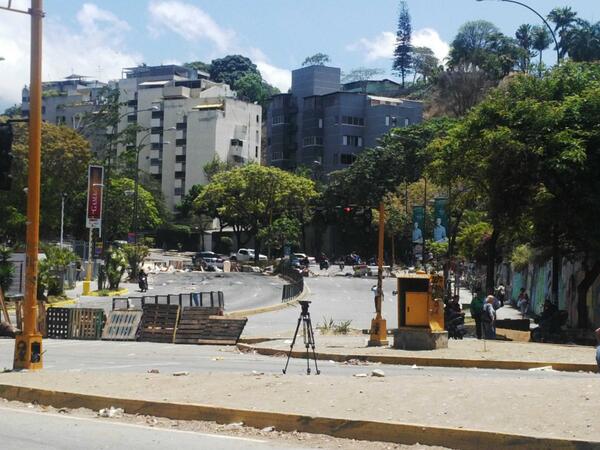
(491, 261)
(582, 289)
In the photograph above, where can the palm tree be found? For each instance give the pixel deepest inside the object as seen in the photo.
(525, 40)
(563, 20)
(583, 42)
(541, 40)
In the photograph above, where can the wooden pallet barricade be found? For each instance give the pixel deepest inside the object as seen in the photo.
(206, 325)
(159, 323)
(86, 323)
(57, 323)
(122, 325)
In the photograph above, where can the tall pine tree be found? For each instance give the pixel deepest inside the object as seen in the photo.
(403, 52)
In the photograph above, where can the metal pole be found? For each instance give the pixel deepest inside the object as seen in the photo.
(28, 345)
(135, 196)
(378, 324)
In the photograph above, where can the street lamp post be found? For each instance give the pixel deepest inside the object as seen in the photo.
(62, 217)
(541, 17)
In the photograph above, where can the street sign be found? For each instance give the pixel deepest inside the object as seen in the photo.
(94, 197)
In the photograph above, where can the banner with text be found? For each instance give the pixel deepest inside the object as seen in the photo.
(94, 197)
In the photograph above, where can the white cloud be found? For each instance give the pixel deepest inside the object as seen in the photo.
(275, 76)
(188, 21)
(382, 46)
(428, 37)
(95, 50)
(379, 47)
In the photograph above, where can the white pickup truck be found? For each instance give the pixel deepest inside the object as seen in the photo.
(246, 254)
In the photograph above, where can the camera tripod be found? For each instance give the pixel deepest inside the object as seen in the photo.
(308, 336)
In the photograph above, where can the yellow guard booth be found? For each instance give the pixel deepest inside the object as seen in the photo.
(420, 312)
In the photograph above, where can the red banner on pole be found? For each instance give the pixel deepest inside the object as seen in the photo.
(94, 199)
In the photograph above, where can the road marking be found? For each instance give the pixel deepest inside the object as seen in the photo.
(131, 425)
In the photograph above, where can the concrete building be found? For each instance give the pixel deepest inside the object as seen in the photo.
(321, 126)
(185, 119)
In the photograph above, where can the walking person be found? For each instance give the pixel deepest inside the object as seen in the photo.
(523, 302)
(143, 281)
(489, 318)
(501, 293)
(477, 311)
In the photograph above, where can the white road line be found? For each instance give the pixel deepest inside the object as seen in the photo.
(130, 425)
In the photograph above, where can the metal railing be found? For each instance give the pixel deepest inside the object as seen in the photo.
(296, 287)
(213, 299)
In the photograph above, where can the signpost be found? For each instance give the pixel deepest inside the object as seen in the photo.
(93, 216)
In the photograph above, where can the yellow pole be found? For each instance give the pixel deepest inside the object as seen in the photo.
(378, 324)
(28, 344)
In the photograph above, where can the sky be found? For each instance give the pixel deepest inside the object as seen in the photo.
(99, 38)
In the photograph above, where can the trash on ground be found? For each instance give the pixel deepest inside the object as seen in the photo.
(542, 369)
(378, 373)
(153, 371)
(111, 412)
(360, 375)
(183, 373)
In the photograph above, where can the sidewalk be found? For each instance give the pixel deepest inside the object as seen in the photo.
(468, 352)
(466, 410)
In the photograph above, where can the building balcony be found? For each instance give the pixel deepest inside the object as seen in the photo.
(155, 170)
(180, 167)
(176, 92)
(155, 138)
(179, 182)
(155, 154)
(179, 151)
(156, 123)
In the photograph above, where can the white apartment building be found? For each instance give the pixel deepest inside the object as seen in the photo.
(187, 121)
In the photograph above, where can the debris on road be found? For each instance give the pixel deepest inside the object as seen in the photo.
(378, 373)
(111, 412)
(268, 429)
(234, 426)
(153, 371)
(360, 375)
(542, 369)
(183, 373)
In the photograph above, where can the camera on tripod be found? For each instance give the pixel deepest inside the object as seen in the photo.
(308, 336)
(304, 304)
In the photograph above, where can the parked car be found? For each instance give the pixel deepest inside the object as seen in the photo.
(301, 256)
(210, 258)
(247, 254)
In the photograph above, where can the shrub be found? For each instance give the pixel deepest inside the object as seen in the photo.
(6, 268)
(521, 257)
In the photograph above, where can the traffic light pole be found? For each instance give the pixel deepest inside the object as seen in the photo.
(28, 344)
(378, 336)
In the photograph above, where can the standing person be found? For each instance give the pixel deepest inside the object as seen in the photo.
(598, 349)
(477, 311)
(78, 271)
(501, 293)
(142, 280)
(489, 318)
(523, 302)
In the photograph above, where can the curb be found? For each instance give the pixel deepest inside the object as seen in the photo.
(437, 362)
(276, 307)
(402, 433)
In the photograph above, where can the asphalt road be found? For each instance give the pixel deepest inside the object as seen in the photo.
(139, 357)
(32, 430)
(241, 290)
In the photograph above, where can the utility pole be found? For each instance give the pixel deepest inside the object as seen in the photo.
(28, 344)
(378, 324)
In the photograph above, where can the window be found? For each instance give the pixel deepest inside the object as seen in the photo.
(178, 191)
(237, 143)
(320, 123)
(347, 158)
(278, 119)
(277, 156)
(256, 151)
(356, 121)
(406, 122)
(394, 122)
(257, 118)
(155, 162)
(387, 121)
(180, 158)
(312, 140)
(337, 119)
(352, 141)
(180, 142)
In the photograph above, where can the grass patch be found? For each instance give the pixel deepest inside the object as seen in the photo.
(59, 299)
(329, 326)
(108, 293)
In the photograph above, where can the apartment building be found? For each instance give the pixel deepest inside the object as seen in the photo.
(321, 126)
(186, 120)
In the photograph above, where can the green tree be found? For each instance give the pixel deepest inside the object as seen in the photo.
(284, 230)
(361, 74)
(251, 197)
(7, 268)
(563, 19)
(231, 68)
(116, 265)
(13, 111)
(583, 41)
(198, 65)
(120, 198)
(135, 255)
(318, 59)
(525, 38)
(52, 270)
(425, 62)
(403, 51)
(541, 40)
(65, 158)
(472, 44)
(252, 88)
